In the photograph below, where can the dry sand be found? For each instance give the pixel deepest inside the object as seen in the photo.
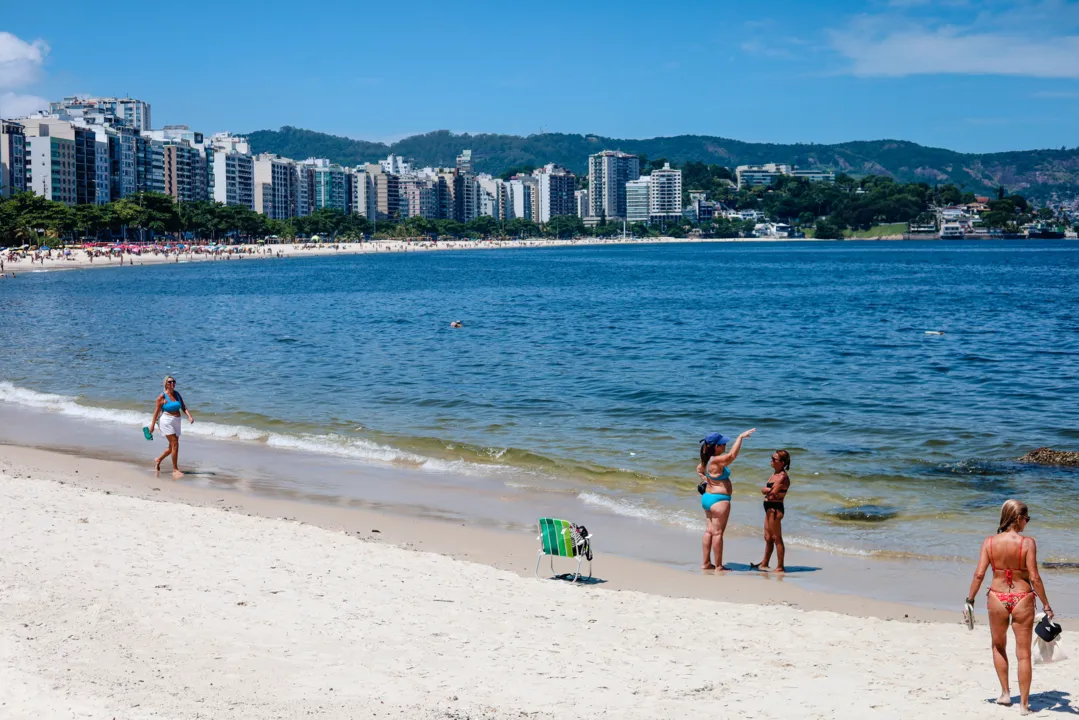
(80, 259)
(118, 606)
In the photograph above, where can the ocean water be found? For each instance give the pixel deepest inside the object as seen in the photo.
(906, 377)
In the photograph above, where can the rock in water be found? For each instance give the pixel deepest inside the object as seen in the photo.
(866, 513)
(1049, 456)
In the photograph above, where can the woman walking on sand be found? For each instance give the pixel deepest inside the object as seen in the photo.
(1014, 560)
(715, 474)
(169, 406)
(774, 492)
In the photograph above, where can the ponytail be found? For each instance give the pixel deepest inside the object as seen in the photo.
(1011, 511)
(707, 453)
(786, 458)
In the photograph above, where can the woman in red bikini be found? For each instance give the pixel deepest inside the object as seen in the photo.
(1014, 559)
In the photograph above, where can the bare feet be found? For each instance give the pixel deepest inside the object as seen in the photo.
(176, 474)
(709, 566)
(1024, 710)
(780, 570)
(758, 566)
(1004, 699)
(157, 466)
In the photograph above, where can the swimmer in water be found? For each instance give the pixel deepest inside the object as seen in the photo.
(456, 324)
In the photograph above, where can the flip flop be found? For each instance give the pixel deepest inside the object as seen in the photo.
(968, 615)
(147, 434)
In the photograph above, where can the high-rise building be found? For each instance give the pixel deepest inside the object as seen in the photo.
(149, 164)
(233, 178)
(184, 171)
(525, 197)
(492, 196)
(130, 112)
(303, 189)
(363, 193)
(466, 205)
(52, 166)
(83, 140)
(419, 197)
(331, 185)
(580, 202)
(273, 186)
(395, 165)
(608, 173)
(123, 170)
(556, 188)
(637, 199)
(387, 189)
(464, 162)
(12, 158)
(665, 196)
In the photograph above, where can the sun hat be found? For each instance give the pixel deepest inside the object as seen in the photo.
(716, 439)
(1047, 629)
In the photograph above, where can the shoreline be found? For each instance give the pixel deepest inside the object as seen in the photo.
(179, 603)
(297, 250)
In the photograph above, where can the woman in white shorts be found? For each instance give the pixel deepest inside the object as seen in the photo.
(169, 406)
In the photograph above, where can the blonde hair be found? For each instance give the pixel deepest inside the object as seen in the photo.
(167, 378)
(1011, 511)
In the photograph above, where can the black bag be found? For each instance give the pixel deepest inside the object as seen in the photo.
(580, 539)
(701, 488)
(1047, 629)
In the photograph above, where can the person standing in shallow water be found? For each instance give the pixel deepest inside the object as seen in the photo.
(774, 491)
(714, 470)
(169, 406)
(1016, 581)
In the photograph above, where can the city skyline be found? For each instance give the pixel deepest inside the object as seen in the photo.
(984, 77)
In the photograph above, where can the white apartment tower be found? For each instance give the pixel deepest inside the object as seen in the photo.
(129, 112)
(273, 186)
(608, 173)
(638, 194)
(233, 179)
(665, 195)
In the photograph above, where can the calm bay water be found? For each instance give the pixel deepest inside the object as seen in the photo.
(593, 371)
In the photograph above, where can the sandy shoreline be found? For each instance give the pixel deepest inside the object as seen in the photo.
(121, 600)
(80, 259)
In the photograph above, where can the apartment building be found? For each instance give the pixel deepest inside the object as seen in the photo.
(129, 112)
(665, 195)
(758, 175)
(638, 195)
(233, 176)
(149, 165)
(273, 186)
(608, 173)
(12, 158)
(556, 188)
(580, 202)
(52, 166)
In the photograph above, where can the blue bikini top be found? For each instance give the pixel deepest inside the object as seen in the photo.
(725, 475)
(172, 406)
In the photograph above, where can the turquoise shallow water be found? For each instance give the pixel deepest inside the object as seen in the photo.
(594, 371)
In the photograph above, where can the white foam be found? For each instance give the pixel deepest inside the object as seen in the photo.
(637, 510)
(330, 444)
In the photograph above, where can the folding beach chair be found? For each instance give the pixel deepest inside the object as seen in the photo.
(559, 538)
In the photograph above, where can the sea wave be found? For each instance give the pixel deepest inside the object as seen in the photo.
(327, 444)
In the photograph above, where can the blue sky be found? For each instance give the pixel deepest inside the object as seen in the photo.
(973, 76)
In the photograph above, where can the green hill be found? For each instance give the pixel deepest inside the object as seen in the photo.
(1036, 173)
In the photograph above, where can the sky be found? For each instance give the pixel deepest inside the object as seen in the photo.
(972, 76)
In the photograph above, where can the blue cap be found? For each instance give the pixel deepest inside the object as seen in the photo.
(716, 439)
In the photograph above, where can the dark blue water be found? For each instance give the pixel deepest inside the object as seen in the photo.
(595, 370)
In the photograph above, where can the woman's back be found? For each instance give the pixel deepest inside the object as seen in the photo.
(1007, 557)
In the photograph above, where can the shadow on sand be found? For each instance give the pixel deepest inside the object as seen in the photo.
(791, 569)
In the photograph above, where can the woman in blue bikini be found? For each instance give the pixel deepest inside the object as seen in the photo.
(715, 472)
(169, 406)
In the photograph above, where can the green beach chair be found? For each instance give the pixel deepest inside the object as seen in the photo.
(559, 538)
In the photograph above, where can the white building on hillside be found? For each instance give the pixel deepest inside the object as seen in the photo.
(665, 195)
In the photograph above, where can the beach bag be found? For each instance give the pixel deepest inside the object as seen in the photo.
(1051, 651)
(701, 488)
(579, 534)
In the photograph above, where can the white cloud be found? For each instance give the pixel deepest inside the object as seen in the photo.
(20, 61)
(15, 105)
(892, 47)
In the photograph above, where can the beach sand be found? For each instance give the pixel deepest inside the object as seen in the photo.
(80, 259)
(125, 596)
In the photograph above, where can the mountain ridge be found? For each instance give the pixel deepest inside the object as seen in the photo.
(1037, 173)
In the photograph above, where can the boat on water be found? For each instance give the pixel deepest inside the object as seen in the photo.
(1044, 231)
(952, 231)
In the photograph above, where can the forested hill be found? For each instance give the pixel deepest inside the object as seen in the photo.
(1036, 173)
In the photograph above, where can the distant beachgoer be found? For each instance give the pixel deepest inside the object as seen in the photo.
(774, 491)
(714, 471)
(1014, 560)
(456, 324)
(169, 406)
